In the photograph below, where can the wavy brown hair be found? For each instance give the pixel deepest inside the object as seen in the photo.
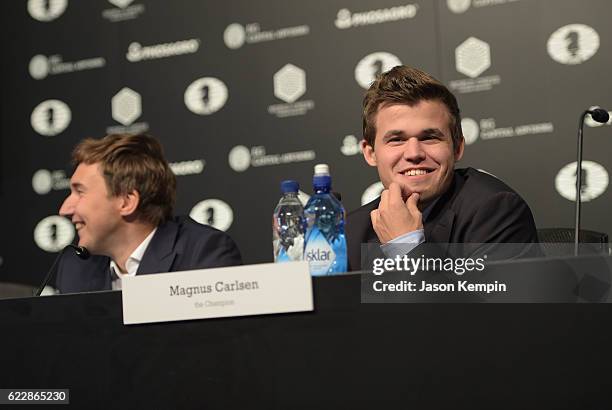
(407, 85)
(133, 162)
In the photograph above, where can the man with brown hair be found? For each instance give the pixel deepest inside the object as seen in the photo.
(121, 201)
(412, 135)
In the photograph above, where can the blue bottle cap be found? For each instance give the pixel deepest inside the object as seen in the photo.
(289, 185)
(321, 181)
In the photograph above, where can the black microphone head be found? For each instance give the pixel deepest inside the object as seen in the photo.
(81, 251)
(600, 115)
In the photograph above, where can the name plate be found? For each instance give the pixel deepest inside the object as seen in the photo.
(218, 292)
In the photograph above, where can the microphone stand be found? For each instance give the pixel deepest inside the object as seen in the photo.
(578, 183)
(80, 251)
(599, 115)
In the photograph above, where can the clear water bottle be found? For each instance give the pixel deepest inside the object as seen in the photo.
(288, 225)
(325, 241)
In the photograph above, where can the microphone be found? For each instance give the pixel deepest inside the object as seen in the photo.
(599, 115)
(80, 251)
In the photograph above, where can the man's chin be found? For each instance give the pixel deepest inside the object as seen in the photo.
(425, 196)
(409, 190)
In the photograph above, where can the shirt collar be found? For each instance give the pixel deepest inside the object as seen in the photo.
(133, 261)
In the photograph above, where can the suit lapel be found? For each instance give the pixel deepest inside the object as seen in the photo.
(161, 252)
(439, 224)
(99, 276)
(439, 230)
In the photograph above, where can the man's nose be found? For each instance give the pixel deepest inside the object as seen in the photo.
(413, 150)
(67, 208)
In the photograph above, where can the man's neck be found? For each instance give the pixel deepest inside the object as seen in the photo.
(133, 236)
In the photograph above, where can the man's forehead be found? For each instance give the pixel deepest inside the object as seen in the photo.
(85, 173)
(429, 109)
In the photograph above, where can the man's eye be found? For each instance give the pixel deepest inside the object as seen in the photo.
(430, 138)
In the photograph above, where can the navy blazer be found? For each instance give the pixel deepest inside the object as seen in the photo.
(477, 208)
(177, 245)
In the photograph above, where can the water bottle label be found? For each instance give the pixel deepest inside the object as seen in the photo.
(292, 253)
(282, 256)
(319, 253)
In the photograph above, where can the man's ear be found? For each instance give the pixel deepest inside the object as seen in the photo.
(459, 149)
(368, 153)
(129, 203)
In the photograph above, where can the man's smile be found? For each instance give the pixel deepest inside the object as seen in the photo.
(416, 172)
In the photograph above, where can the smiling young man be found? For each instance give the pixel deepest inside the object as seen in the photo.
(412, 135)
(121, 200)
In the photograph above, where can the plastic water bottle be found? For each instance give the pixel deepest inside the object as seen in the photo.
(288, 225)
(325, 241)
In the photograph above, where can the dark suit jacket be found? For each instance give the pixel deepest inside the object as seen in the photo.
(477, 208)
(179, 244)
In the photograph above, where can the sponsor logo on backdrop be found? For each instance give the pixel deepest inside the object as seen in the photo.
(241, 158)
(487, 129)
(236, 35)
(470, 130)
(289, 85)
(372, 192)
(573, 44)
(461, 6)
(54, 233)
(126, 107)
(347, 19)
(595, 181)
(50, 117)
(41, 66)
(350, 146)
(46, 10)
(124, 10)
(206, 96)
(213, 212)
(458, 6)
(137, 52)
(473, 58)
(121, 3)
(588, 120)
(45, 181)
(372, 65)
(184, 168)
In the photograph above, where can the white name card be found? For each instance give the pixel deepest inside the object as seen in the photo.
(219, 292)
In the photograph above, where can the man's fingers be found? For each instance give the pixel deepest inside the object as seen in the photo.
(374, 218)
(395, 193)
(412, 203)
(384, 199)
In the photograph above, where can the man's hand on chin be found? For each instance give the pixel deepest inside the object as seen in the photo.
(394, 216)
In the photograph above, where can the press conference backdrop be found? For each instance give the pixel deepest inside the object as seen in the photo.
(243, 94)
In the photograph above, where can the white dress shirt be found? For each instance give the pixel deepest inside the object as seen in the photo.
(132, 263)
(404, 244)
